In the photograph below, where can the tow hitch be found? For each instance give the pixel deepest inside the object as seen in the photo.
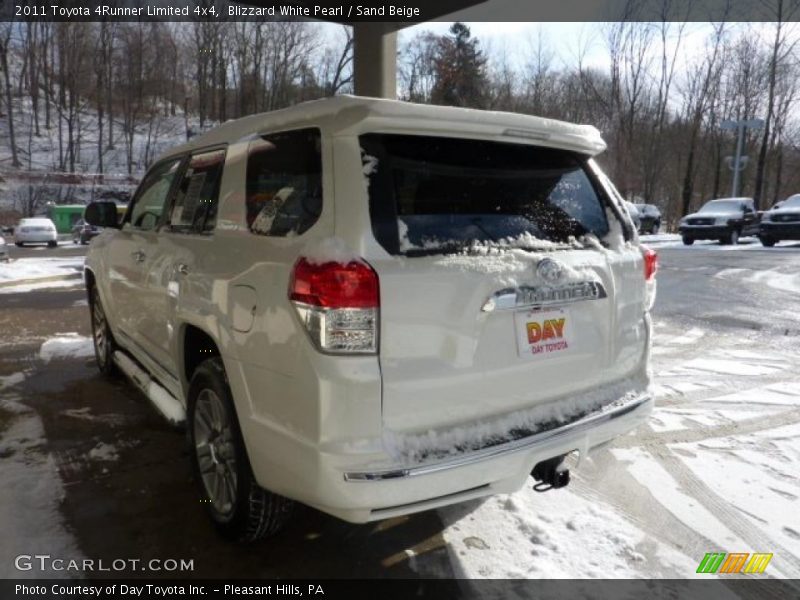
(551, 474)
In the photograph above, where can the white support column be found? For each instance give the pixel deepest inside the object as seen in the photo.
(375, 60)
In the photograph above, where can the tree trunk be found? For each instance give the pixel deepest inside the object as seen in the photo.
(4, 44)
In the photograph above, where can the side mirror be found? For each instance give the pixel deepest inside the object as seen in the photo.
(102, 214)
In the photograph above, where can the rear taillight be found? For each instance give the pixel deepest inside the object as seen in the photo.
(650, 263)
(338, 304)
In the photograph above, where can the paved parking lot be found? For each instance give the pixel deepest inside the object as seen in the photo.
(91, 470)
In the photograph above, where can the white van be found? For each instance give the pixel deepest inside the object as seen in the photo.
(377, 308)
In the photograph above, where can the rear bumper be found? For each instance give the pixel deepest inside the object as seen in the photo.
(360, 483)
(782, 231)
(579, 429)
(36, 238)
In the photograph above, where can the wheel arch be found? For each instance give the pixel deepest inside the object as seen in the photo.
(90, 281)
(196, 344)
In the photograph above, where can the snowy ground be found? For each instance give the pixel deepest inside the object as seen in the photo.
(715, 470)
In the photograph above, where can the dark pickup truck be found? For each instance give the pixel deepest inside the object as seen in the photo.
(724, 219)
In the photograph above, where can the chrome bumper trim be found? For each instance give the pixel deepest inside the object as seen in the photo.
(578, 426)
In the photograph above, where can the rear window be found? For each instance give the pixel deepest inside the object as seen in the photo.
(433, 195)
(284, 183)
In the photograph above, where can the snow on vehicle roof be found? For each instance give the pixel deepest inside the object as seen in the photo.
(36, 221)
(736, 199)
(348, 114)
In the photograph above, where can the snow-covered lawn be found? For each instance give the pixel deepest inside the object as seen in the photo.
(32, 274)
(66, 345)
(25, 269)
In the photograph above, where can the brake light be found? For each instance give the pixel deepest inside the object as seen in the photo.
(650, 263)
(338, 304)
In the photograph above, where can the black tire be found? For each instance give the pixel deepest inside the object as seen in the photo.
(52, 244)
(768, 242)
(251, 512)
(687, 241)
(18, 244)
(104, 345)
(84, 241)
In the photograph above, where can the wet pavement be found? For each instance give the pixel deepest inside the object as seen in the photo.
(143, 504)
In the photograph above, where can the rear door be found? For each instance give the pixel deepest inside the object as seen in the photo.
(510, 284)
(174, 270)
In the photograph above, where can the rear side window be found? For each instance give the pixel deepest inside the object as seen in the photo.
(152, 195)
(284, 183)
(430, 194)
(197, 196)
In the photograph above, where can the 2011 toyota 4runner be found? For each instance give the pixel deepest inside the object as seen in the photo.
(377, 308)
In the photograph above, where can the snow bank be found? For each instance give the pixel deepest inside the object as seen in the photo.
(786, 282)
(66, 345)
(661, 238)
(104, 452)
(438, 444)
(41, 285)
(331, 249)
(35, 268)
(7, 381)
(558, 535)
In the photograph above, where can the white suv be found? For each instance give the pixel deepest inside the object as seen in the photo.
(377, 308)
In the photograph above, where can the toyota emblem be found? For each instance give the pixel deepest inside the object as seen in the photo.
(549, 270)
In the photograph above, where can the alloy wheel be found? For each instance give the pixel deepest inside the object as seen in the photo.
(216, 452)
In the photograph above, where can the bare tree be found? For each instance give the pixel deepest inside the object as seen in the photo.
(5, 46)
(782, 46)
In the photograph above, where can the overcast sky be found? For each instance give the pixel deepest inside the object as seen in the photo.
(566, 40)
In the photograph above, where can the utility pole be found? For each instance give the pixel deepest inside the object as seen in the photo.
(739, 162)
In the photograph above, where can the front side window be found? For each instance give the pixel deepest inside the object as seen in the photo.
(152, 195)
(284, 183)
(197, 195)
(431, 194)
(792, 202)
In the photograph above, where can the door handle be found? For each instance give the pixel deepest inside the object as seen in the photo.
(138, 256)
(182, 268)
